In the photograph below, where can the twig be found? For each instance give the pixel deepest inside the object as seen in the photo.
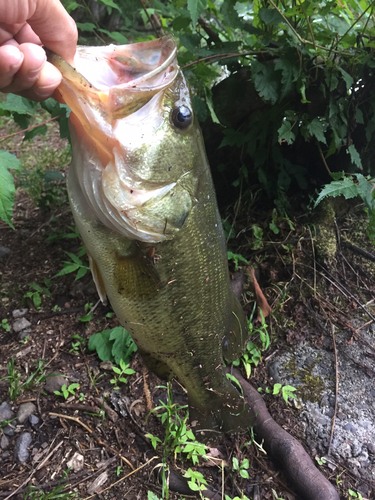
(226, 56)
(358, 250)
(33, 472)
(324, 160)
(336, 388)
(75, 419)
(98, 440)
(150, 19)
(27, 129)
(122, 479)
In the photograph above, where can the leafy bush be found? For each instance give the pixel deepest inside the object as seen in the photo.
(284, 90)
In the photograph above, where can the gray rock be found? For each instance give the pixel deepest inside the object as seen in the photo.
(350, 427)
(21, 452)
(4, 252)
(54, 382)
(24, 411)
(5, 412)
(24, 333)
(19, 313)
(4, 442)
(8, 431)
(21, 324)
(34, 420)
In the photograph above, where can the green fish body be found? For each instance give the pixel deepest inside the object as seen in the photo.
(143, 200)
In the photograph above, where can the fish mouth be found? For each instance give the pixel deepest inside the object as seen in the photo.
(105, 89)
(125, 77)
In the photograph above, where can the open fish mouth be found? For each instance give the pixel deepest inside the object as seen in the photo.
(119, 97)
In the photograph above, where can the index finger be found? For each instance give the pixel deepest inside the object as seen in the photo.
(55, 28)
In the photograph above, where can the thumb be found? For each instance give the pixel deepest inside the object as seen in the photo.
(55, 28)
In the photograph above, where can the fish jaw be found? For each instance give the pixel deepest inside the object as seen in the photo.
(121, 115)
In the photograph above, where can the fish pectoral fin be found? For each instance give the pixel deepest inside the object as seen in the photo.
(136, 275)
(235, 340)
(98, 280)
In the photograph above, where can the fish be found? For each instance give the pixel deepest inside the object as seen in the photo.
(143, 200)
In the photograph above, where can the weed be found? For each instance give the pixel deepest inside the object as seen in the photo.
(321, 460)
(120, 372)
(236, 257)
(253, 352)
(242, 497)
(89, 313)
(196, 481)
(14, 377)
(113, 345)
(45, 187)
(5, 325)
(75, 264)
(286, 391)
(67, 391)
(35, 493)
(178, 437)
(78, 343)
(355, 494)
(37, 292)
(241, 467)
(119, 470)
(60, 235)
(275, 496)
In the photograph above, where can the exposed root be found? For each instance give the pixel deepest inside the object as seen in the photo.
(304, 477)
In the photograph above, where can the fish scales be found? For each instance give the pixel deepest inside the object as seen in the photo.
(160, 259)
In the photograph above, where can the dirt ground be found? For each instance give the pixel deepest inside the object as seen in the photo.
(104, 429)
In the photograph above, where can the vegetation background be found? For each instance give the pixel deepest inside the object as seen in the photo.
(284, 90)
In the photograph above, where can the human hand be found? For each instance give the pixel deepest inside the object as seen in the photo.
(26, 25)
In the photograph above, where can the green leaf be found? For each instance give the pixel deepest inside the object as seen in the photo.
(7, 187)
(123, 346)
(285, 132)
(195, 8)
(17, 104)
(110, 3)
(354, 156)
(289, 75)
(86, 26)
(347, 78)
(270, 16)
(265, 81)
(346, 187)
(116, 36)
(101, 343)
(69, 268)
(316, 129)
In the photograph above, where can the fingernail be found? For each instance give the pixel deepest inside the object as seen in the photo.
(17, 61)
(35, 72)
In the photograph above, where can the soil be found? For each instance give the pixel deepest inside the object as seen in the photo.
(104, 429)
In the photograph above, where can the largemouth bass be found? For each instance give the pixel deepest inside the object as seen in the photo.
(143, 200)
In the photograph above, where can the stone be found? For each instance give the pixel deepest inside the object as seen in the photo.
(24, 333)
(54, 382)
(76, 462)
(34, 420)
(19, 313)
(350, 427)
(24, 411)
(21, 451)
(4, 442)
(4, 252)
(21, 324)
(8, 431)
(5, 412)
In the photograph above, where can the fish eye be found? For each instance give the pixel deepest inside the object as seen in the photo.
(181, 117)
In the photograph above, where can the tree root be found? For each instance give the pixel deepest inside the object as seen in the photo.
(304, 477)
